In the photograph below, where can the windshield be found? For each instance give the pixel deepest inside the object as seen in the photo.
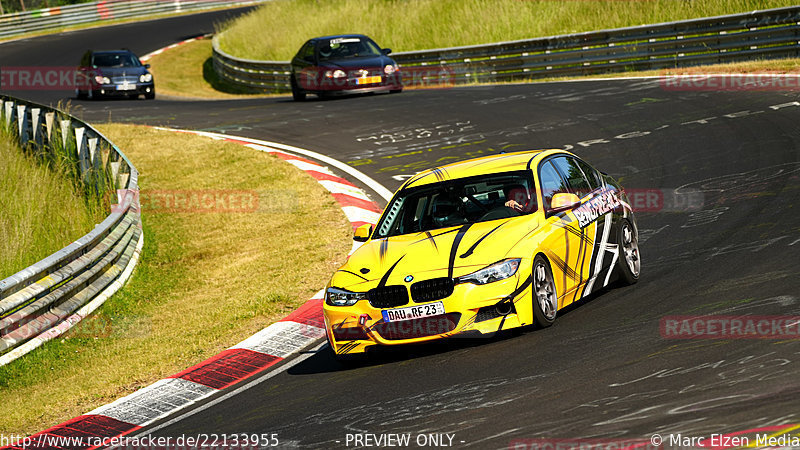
(350, 47)
(456, 202)
(115, 60)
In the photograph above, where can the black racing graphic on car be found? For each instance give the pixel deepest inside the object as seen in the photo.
(352, 273)
(384, 248)
(454, 250)
(472, 248)
(432, 236)
(385, 277)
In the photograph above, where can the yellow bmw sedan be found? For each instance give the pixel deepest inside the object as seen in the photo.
(480, 246)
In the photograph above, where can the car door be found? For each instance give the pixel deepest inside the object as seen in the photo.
(304, 66)
(571, 242)
(594, 220)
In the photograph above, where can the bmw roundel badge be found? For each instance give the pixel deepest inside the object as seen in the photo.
(408, 279)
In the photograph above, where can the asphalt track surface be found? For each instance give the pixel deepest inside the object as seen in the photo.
(604, 370)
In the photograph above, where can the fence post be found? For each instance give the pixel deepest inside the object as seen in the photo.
(65, 132)
(49, 118)
(36, 126)
(9, 108)
(22, 124)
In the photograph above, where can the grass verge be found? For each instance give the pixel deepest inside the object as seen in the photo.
(188, 71)
(41, 210)
(278, 28)
(205, 281)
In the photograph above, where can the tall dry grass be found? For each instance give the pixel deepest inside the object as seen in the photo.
(42, 209)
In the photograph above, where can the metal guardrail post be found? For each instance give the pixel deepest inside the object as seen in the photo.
(43, 300)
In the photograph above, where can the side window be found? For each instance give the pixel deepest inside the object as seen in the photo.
(308, 52)
(577, 182)
(551, 183)
(591, 174)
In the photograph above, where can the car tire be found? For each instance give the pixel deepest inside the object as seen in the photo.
(298, 94)
(91, 95)
(395, 91)
(629, 261)
(545, 296)
(150, 95)
(79, 94)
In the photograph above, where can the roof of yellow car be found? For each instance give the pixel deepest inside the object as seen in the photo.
(504, 162)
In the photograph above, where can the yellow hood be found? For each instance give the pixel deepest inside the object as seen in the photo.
(445, 252)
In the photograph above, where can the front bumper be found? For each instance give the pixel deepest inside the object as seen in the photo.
(470, 308)
(320, 85)
(112, 90)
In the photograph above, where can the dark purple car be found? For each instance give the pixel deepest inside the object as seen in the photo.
(114, 73)
(344, 64)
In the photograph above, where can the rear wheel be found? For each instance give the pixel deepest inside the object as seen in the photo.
(628, 261)
(545, 298)
(298, 94)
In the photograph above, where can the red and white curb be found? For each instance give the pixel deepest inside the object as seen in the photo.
(281, 340)
(170, 47)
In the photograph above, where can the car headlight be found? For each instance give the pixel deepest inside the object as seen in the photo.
(489, 274)
(145, 78)
(102, 80)
(335, 73)
(340, 297)
(389, 69)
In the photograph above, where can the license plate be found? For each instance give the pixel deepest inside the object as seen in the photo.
(126, 87)
(368, 80)
(413, 312)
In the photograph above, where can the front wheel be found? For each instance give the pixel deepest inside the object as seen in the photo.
(545, 298)
(629, 260)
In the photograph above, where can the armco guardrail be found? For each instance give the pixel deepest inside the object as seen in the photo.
(763, 34)
(70, 15)
(42, 301)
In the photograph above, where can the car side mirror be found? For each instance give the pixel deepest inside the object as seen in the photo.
(363, 233)
(386, 51)
(147, 66)
(564, 200)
